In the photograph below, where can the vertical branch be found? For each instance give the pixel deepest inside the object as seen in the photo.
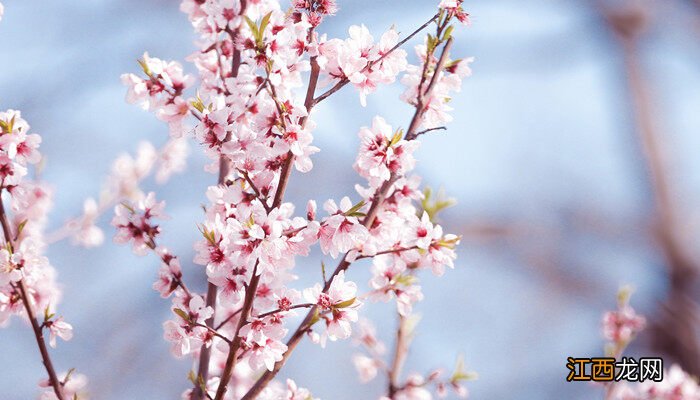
(212, 290)
(236, 342)
(26, 300)
(675, 334)
(289, 161)
(400, 352)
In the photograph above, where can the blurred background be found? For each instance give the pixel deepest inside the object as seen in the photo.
(574, 155)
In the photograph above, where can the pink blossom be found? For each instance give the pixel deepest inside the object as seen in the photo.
(339, 232)
(622, 325)
(454, 9)
(86, 232)
(366, 367)
(676, 385)
(172, 159)
(436, 106)
(59, 328)
(9, 273)
(340, 305)
(133, 223)
(266, 354)
(181, 337)
(360, 61)
(74, 387)
(168, 275)
(383, 152)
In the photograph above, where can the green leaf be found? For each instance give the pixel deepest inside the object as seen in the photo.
(406, 280)
(355, 208)
(263, 24)
(198, 105)
(202, 384)
(434, 207)
(20, 227)
(191, 377)
(253, 27)
(398, 135)
(461, 374)
(431, 44)
(68, 374)
(410, 324)
(8, 126)
(182, 314)
(315, 318)
(128, 207)
(323, 271)
(346, 303)
(624, 294)
(144, 67)
(449, 243)
(448, 32)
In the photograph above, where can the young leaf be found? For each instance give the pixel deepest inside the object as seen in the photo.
(144, 67)
(346, 303)
(323, 272)
(20, 227)
(315, 318)
(355, 208)
(264, 22)
(182, 314)
(251, 25)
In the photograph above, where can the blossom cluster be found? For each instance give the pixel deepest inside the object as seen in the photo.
(27, 280)
(416, 386)
(620, 327)
(676, 385)
(248, 117)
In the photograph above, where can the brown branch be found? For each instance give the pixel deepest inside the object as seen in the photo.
(224, 169)
(424, 131)
(257, 192)
(400, 352)
(236, 341)
(675, 334)
(286, 171)
(411, 133)
(36, 327)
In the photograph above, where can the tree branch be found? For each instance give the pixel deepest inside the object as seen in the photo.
(236, 341)
(400, 352)
(36, 327)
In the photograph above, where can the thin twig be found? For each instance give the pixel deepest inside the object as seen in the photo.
(369, 65)
(424, 131)
(229, 318)
(267, 314)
